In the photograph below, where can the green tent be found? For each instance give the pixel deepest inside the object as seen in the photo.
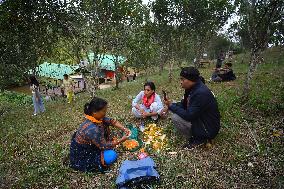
(107, 61)
(55, 71)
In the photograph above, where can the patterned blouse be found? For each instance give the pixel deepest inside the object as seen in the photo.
(94, 133)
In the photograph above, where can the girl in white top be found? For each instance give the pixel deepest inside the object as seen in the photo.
(151, 103)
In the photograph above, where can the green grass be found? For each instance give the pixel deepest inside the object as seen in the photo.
(33, 148)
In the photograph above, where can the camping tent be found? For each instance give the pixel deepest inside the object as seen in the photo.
(107, 61)
(55, 71)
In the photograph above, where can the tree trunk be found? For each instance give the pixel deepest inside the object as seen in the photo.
(116, 72)
(171, 71)
(243, 58)
(164, 58)
(198, 56)
(90, 79)
(162, 63)
(179, 61)
(254, 61)
(161, 67)
(78, 56)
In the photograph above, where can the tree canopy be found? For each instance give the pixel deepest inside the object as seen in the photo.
(153, 35)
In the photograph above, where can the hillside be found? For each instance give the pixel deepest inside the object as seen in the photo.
(246, 153)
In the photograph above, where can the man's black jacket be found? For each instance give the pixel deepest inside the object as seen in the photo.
(201, 110)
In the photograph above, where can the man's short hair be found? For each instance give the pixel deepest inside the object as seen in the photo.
(190, 73)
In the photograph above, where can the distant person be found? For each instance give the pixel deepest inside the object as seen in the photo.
(128, 76)
(147, 103)
(220, 59)
(134, 76)
(224, 74)
(91, 146)
(197, 116)
(68, 87)
(230, 56)
(37, 99)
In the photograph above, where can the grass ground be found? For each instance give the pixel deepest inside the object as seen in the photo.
(245, 154)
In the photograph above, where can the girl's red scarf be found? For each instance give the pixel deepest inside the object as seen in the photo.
(148, 101)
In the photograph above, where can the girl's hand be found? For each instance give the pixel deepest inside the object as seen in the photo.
(124, 138)
(144, 114)
(142, 111)
(127, 132)
(137, 107)
(115, 141)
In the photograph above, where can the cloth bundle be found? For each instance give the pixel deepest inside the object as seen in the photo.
(137, 173)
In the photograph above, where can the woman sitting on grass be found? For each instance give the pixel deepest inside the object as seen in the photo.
(223, 74)
(151, 106)
(91, 145)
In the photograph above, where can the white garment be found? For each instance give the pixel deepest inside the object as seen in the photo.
(153, 108)
(157, 100)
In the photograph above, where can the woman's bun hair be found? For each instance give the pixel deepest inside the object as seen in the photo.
(86, 109)
(96, 104)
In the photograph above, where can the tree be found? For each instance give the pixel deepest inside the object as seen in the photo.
(191, 21)
(126, 15)
(259, 22)
(142, 49)
(219, 43)
(109, 25)
(28, 31)
(203, 19)
(168, 33)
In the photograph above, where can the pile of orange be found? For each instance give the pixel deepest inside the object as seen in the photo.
(130, 144)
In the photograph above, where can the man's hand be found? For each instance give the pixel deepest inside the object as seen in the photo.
(164, 111)
(168, 102)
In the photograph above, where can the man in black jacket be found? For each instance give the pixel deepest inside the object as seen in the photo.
(197, 116)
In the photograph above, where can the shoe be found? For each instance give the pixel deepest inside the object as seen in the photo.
(193, 144)
(34, 114)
